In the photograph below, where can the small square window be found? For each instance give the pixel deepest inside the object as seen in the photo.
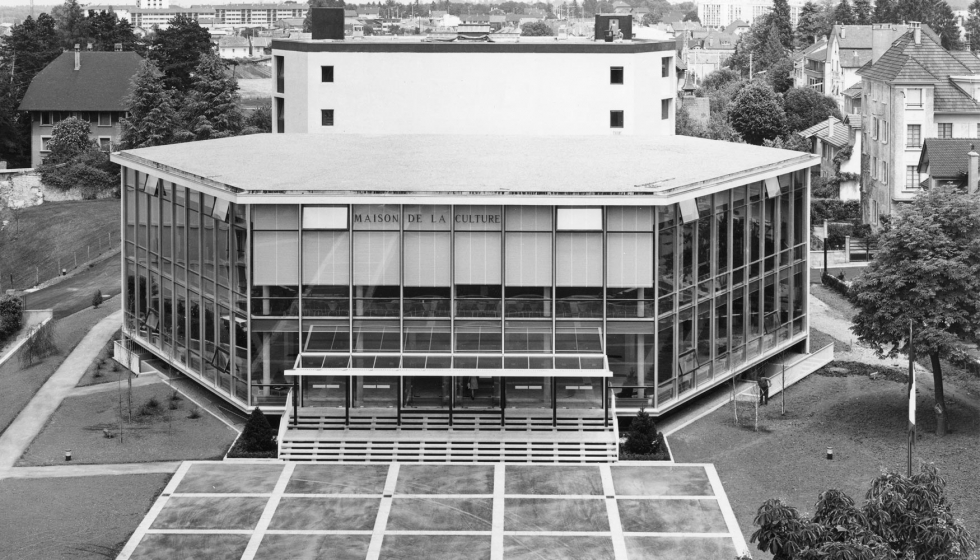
(326, 74)
(615, 119)
(105, 144)
(105, 119)
(616, 75)
(45, 143)
(665, 109)
(326, 117)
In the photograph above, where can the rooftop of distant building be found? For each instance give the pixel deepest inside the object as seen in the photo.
(499, 43)
(334, 164)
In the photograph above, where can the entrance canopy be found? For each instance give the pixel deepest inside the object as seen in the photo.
(439, 365)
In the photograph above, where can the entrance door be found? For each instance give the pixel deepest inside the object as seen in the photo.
(427, 392)
(477, 393)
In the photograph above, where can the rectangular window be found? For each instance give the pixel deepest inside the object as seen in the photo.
(913, 97)
(914, 136)
(477, 258)
(945, 130)
(326, 74)
(884, 132)
(529, 259)
(280, 115)
(279, 253)
(326, 117)
(376, 258)
(326, 258)
(874, 168)
(884, 172)
(615, 119)
(665, 109)
(911, 177)
(579, 259)
(665, 64)
(45, 118)
(105, 118)
(45, 143)
(280, 75)
(616, 75)
(105, 143)
(874, 128)
(580, 219)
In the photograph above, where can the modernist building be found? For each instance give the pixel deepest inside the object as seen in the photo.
(534, 86)
(461, 280)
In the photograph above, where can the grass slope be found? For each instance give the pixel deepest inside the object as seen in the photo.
(42, 236)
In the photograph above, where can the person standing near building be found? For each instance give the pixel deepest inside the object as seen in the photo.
(763, 390)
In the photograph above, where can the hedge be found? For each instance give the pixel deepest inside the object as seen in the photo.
(835, 284)
(834, 210)
(11, 316)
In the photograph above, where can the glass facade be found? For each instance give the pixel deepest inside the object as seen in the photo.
(665, 299)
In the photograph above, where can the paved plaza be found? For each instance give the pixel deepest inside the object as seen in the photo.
(256, 510)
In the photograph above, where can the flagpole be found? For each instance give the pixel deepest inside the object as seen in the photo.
(911, 427)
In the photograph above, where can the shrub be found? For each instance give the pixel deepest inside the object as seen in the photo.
(257, 435)
(833, 209)
(194, 414)
(836, 284)
(642, 436)
(97, 299)
(11, 316)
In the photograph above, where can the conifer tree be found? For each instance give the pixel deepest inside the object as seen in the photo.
(862, 12)
(212, 106)
(843, 14)
(884, 12)
(779, 17)
(152, 118)
(809, 24)
(973, 26)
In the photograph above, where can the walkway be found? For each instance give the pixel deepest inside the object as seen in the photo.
(267, 510)
(64, 471)
(103, 387)
(18, 436)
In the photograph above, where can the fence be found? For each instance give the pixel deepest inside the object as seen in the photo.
(28, 275)
(859, 249)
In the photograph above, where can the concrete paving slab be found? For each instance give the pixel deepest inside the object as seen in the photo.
(550, 514)
(213, 547)
(210, 513)
(554, 480)
(337, 479)
(671, 516)
(435, 547)
(672, 548)
(334, 514)
(671, 480)
(445, 479)
(440, 514)
(226, 478)
(525, 547)
(313, 547)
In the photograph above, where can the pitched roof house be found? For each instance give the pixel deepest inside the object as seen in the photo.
(947, 161)
(88, 85)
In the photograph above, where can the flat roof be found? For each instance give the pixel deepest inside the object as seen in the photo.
(351, 164)
(410, 43)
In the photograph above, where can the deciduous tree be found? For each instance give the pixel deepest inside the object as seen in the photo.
(536, 29)
(806, 107)
(973, 26)
(862, 12)
(902, 517)
(926, 276)
(884, 12)
(756, 113)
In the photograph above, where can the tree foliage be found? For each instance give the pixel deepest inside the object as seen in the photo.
(843, 14)
(780, 18)
(76, 161)
(641, 439)
(259, 120)
(536, 29)
(212, 107)
(757, 114)
(901, 518)
(11, 316)
(885, 12)
(806, 107)
(862, 12)
(308, 22)
(69, 138)
(177, 51)
(152, 119)
(809, 24)
(972, 27)
(257, 434)
(780, 75)
(927, 276)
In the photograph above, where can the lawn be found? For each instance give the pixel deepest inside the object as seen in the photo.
(104, 369)
(82, 518)
(18, 385)
(863, 420)
(155, 433)
(39, 239)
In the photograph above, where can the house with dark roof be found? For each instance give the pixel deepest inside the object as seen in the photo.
(849, 47)
(830, 139)
(912, 90)
(947, 161)
(89, 85)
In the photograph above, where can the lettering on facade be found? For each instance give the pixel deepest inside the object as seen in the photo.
(430, 219)
(375, 218)
(477, 218)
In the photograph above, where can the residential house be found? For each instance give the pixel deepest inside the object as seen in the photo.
(148, 18)
(704, 56)
(89, 85)
(912, 91)
(852, 99)
(849, 47)
(809, 66)
(834, 140)
(949, 162)
(738, 27)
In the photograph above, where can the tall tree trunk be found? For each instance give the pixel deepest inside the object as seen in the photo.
(937, 377)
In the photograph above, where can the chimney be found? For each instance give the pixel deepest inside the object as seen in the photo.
(78, 58)
(830, 127)
(973, 173)
(882, 37)
(842, 31)
(117, 47)
(328, 23)
(916, 31)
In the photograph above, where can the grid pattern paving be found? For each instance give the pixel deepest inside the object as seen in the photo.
(266, 510)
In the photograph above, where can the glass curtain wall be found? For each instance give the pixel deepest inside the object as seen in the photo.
(681, 295)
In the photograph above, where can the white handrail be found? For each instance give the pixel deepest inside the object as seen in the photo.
(284, 421)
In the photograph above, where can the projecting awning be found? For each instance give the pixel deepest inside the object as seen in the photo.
(576, 365)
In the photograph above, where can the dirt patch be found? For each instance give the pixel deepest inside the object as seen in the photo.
(865, 423)
(156, 432)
